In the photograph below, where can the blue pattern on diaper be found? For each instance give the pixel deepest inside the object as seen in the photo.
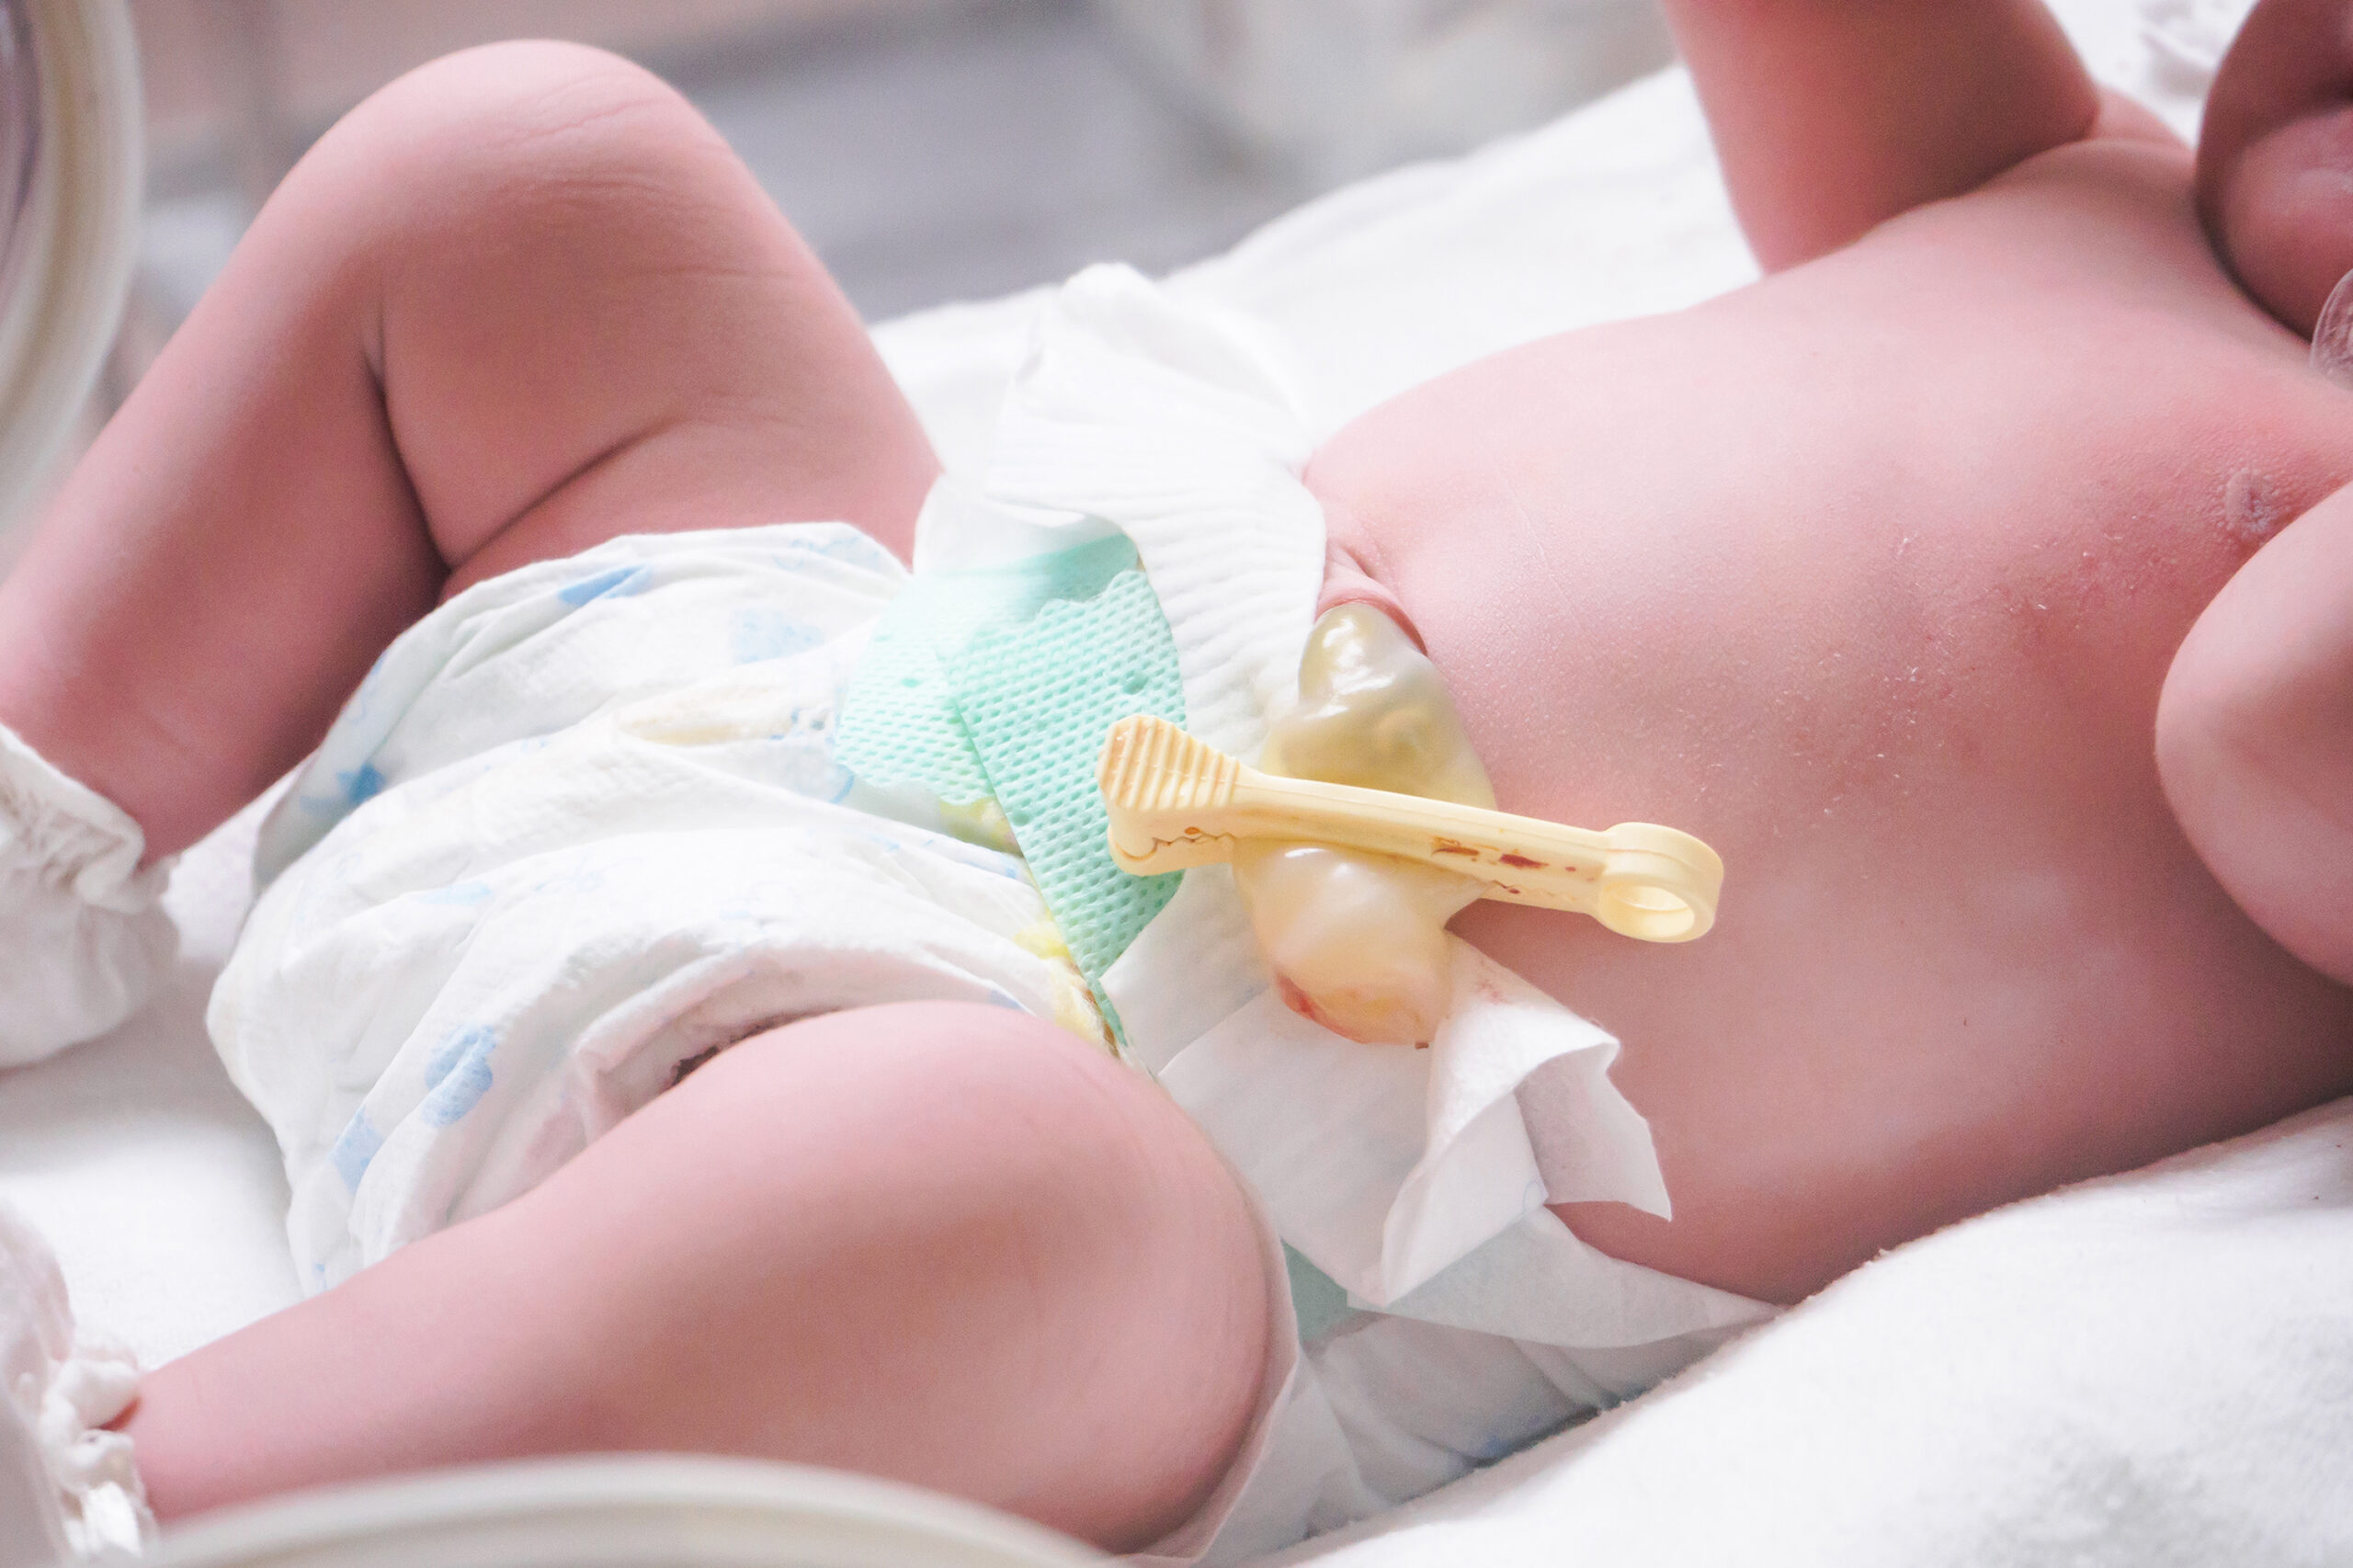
(617, 582)
(836, 541)
(355, 1149)
(573, 881)
(458, 1074)
(362, 783)
(463, 895)
(764, 632)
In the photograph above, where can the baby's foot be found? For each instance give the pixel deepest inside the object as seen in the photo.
(67, 1487)
(1357, 941)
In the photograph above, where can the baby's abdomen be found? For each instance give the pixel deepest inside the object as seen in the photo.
(1907, 686)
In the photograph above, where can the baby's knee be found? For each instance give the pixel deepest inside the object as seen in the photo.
(1039, 1139)
(1043, 1183)
(531, 122)
(496, 158)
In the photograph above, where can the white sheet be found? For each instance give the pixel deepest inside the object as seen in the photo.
(156, 1182)
(2154, 1370)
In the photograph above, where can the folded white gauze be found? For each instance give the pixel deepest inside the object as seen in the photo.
(82, 931)
(67, 1489)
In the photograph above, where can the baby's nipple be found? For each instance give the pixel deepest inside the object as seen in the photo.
(1358, 940)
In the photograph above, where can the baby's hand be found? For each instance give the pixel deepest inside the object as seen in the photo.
(1357, 941)
(2254, 736)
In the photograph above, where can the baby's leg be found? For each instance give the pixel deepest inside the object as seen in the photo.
(942, 1243)
(519, 301)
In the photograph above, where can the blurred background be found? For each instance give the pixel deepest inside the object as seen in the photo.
(931, 150)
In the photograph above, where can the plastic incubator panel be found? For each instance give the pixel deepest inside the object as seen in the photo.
(19, 132)
(70, 166)
(640, 1511)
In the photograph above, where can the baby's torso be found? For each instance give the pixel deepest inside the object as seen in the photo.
(1870, 576)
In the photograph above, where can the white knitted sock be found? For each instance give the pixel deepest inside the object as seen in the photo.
(68, 1490)
(81, 932)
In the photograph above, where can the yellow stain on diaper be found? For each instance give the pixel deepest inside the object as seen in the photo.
(1044, 938)
(712, 713)
(981, 822)
(1075, 1007)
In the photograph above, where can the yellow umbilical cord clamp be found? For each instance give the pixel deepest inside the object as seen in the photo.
(1176, 801)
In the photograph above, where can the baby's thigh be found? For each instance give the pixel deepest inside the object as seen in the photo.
(979, 1252)
(592, 320)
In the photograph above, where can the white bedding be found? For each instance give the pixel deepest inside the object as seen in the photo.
(2152, 1369)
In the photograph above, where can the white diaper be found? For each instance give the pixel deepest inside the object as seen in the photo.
(584, 824)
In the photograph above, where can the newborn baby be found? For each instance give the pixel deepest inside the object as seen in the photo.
(1873, 575)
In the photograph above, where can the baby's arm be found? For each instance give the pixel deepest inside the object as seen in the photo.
(1832, 116)
(2254, 730)
(2272, 150)
(2254, 737)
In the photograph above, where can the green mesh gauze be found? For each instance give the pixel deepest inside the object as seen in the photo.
(1036, 700)
(897, 724)
(1002, 683)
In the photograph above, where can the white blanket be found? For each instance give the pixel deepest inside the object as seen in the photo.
(2155, 1369)
(2152, 1369)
